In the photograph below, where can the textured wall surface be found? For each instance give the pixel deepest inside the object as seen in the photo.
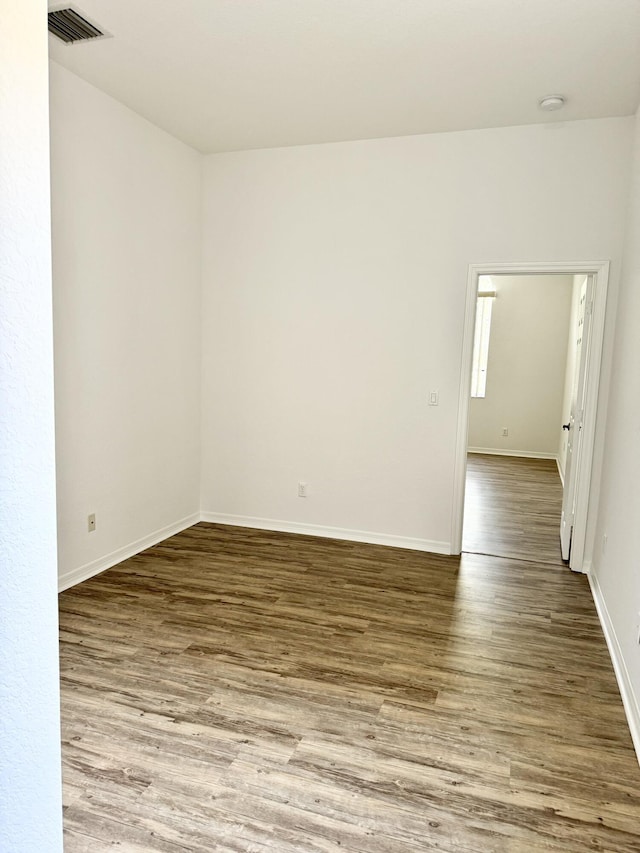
(30, 797)
(615, 562)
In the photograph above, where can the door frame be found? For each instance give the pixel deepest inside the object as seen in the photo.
(600, 272)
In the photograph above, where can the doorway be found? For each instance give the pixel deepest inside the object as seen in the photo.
(512, 508)
(492, 467)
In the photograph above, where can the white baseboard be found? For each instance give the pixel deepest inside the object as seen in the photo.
(526, 454)
(95, 567)
(83, 573)
(629, 699)
(560, 471)
(329, 532)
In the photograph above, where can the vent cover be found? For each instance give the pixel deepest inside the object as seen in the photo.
(70, 26)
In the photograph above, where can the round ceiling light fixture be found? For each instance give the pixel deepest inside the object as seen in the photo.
(551, 102)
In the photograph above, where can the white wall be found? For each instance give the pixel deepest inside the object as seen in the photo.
(615, 569)
(570, 369)
(526, 366)
(334, 286)
(30, 796)
(126, 268)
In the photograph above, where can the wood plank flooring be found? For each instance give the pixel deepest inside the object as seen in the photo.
(512, 508)
(240, 690)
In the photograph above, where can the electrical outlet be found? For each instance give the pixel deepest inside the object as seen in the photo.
(91, 522)
(302, 490)
(604, 542)
(505, 431)
(434, 398)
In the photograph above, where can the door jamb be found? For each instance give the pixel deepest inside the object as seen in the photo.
(600, 271)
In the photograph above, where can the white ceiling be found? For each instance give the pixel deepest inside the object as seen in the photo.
(225, 75)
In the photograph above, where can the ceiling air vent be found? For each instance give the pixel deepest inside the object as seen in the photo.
(70, 26)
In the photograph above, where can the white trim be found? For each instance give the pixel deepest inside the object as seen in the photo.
(89, 570)
(481, 339)
(83, 573)
(630, 701)
(600, 270)
(464, 397)
(584, 490)
(525, 454)
(328, 532)
(561, 473)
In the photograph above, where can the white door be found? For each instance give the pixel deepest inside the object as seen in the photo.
(574, 439)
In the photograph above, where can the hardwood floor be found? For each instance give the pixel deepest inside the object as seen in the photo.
(512, 508)
(240, 690)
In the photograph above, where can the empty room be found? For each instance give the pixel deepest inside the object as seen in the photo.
(257, 590)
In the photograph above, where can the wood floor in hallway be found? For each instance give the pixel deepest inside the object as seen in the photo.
(512, 508)
(240, 690)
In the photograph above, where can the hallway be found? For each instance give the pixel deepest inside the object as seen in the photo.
(512, 508)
